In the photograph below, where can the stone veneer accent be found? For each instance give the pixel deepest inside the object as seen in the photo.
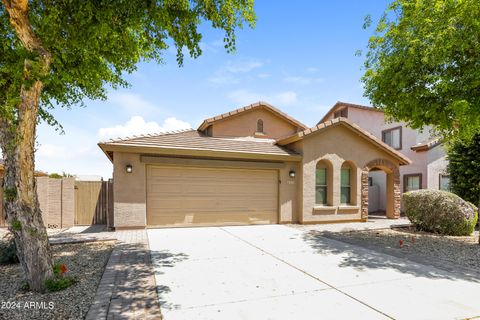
(393, 171)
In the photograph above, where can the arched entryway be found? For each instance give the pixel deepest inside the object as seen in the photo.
(393, 191)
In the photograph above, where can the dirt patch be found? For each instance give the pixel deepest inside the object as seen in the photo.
(85, 261)
(408, 242)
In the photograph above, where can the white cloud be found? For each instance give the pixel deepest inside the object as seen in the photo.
(50, 151)
(302, 80)
(287, 97)
(264, 75)
(243, 66)
(312, 70)
(134, 104)
(228, 73)
(136, 125)
(244, 97)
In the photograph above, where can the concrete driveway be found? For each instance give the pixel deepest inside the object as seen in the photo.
(278, 272)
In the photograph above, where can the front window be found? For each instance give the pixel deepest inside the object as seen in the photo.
(321, 184)
(444, 183)
(345, 189)
(393, 137)
(412, 182)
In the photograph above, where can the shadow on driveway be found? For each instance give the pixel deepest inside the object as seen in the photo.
(361, 256)
(160, 261)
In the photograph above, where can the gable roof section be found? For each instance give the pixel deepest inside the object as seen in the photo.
(194, 143)
(341, 104)
(353, 127)
(426, 145)
(261, 104)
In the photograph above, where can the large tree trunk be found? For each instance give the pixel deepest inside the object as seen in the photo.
(17, 139)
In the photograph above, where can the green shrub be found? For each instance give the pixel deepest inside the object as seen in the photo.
(440, 212)
(59, 283)
(8, 250)
(464, 168)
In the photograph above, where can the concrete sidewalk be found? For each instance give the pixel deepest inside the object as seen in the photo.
(127, 289)
(277, 272)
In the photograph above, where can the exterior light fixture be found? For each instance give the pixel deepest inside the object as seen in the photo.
(129, 168)
(291, 174)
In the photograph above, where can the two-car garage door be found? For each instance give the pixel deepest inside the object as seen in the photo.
(196, 196)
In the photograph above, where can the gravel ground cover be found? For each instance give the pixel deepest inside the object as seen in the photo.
(436, 249)
(85, 262)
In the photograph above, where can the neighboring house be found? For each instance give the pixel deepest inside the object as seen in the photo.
(253, 165)
(429, 163)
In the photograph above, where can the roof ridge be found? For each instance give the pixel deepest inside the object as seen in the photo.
(257, 104)
(348, 104)
(156, 134)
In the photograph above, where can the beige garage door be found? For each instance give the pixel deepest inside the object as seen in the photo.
(189, 196)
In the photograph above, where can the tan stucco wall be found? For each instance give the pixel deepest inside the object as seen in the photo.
(129, 191)
(245, 125)
(374, 122)
(336, 145)
(288, 193)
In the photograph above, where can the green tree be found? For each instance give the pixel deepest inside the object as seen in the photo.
(423, 65)
(464, 168)
(57, 53)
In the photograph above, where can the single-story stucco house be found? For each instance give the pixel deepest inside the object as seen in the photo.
(253, 165)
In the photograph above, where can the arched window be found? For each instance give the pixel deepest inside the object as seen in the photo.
(260, 125)
(346, 184)
(321, 183)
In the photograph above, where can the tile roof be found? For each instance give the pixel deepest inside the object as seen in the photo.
(343, 121)
(195, 140)
(340, 104)
(426, 145)
(260, 104)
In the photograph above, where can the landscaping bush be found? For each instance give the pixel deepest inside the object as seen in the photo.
(464, 168)
(440, 212)
(8, 250)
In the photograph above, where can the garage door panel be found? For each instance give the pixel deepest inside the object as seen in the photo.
(210, 219)
(207, 196)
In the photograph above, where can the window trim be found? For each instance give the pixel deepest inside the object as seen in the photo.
(392, 129)
(440, 175)
(405, 178)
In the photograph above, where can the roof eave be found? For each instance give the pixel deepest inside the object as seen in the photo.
(196, 152)
(103, 147)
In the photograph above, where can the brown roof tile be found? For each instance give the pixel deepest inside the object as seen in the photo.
(195, 140)
(260, 104)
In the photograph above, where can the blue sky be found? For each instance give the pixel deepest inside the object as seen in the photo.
(300, 58)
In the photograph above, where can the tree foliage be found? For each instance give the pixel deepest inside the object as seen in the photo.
(94, 43)
(423, 65)
(464, 168)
